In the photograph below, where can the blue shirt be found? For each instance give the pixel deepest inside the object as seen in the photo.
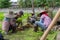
(6, 19)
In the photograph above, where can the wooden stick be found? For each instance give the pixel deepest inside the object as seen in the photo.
(50, 26)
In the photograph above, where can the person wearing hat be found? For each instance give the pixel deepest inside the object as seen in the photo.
(44, 21)
(8, 20)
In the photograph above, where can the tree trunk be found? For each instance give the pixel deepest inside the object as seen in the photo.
(33, 6)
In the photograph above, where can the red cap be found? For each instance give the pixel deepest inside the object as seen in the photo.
(45, 12)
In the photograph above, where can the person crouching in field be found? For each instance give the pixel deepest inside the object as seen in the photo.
(8, 21)
(32, 19)
(44, 21)
(19, 18)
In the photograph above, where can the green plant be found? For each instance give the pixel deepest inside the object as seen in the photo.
(1, 16)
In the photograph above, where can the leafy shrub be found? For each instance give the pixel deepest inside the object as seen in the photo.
(24, 17)
(1, 16)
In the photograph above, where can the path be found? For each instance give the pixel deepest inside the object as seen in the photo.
(29, 10)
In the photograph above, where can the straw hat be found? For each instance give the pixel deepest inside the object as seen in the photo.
(10, 15)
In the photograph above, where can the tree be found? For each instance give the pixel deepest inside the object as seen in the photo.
(20, 2)
(39, 3)
(4, 3)
(32, 1)
(52, 4)
(24, 3)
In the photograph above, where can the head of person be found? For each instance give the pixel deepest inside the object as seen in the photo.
(11, 12)
(20, 13)
(10, 15)
(16, 13)
(32, 14)
(43, 12)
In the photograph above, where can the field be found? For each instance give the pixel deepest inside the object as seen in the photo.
(27, 34)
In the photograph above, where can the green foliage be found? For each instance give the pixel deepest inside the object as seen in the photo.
(25, 3)
(52, 35)
(1, 16)
(24, 17)
(39, 3)
(4, 3)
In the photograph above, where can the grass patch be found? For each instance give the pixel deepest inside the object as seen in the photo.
(0, 25)
(29, 35)
(52, 35)
(25, 35)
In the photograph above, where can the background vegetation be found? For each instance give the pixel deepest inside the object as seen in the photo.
(4, 3)
(28, 3)
(39, 3)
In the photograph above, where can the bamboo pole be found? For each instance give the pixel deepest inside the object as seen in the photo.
(51, 25)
